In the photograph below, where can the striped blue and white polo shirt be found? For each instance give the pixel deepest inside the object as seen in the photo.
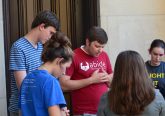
(23, 56)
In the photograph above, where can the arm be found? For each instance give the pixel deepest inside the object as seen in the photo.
(54, 111)
(109, 77)
(160, 102)
(19, 76)
(54, 99)
(108, 71)
(64, 111)
(17, 64)
(162, 112)
(68, 84)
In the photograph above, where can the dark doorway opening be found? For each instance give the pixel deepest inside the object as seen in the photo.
(76, 17)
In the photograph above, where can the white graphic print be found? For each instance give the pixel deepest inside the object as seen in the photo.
(84, 67)
(92, 65)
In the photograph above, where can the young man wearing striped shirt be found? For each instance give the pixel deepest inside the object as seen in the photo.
(25, 54)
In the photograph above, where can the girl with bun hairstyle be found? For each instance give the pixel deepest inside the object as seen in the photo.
(40, 93)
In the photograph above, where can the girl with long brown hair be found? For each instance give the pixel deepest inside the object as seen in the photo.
(132, 92)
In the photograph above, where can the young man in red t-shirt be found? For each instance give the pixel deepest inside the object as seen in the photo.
(90, 73)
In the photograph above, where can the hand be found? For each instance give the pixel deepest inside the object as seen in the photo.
(109, 76)
(65, 112)
(99, 77)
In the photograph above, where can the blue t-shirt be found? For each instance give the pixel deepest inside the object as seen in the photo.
(38, 92)
(157, 74)
(23, 57)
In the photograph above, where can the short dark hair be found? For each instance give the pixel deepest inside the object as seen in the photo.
(58, 46)
(48, 18)
(157, 43)
(97, 34)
